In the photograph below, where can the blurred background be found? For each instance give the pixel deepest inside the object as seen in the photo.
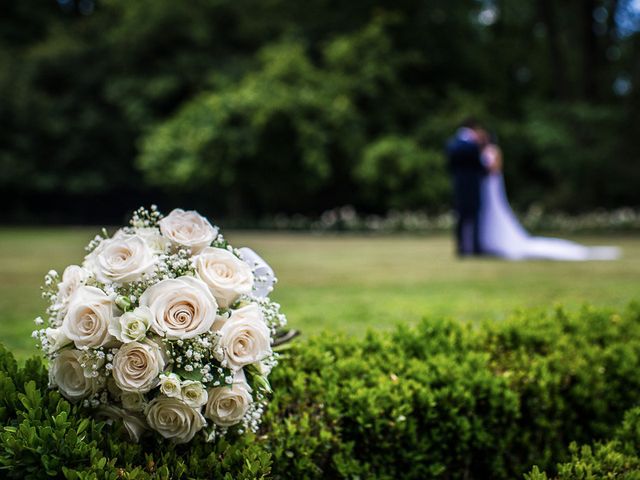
(322, 115)
(248, 109)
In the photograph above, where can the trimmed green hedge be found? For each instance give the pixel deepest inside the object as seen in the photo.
(440, 400)
(617, 458)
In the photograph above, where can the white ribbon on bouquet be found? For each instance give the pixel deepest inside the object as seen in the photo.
(264, 276)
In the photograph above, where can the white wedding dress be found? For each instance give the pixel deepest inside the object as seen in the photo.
(502, 235)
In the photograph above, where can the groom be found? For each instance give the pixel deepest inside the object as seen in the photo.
(467, 171)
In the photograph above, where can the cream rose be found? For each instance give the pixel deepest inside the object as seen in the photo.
(131, 326)
(245, 337)
(154, 239)
(174, 419)
(170, 385)
(220, 320)
(136, 366)
(182, 307)
(134, 424)
(226, 275)
(72, 278)
(56, 339)
(194, 394)
(188, 229)
(228, 405)
(133, 401)
(88, 317)
(121, 259)
(67, 373)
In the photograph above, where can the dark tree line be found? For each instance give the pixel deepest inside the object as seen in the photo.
(247, 108)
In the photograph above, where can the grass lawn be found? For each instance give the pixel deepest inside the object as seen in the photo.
(348, 283)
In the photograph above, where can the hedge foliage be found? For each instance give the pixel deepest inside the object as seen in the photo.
(617, 458)
(439, 400)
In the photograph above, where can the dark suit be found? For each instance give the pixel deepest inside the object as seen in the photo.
(467, 171)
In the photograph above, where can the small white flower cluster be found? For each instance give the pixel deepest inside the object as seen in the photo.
(143, 218)
(271, 311)
(164, 327)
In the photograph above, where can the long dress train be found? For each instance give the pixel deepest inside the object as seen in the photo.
(502, 235)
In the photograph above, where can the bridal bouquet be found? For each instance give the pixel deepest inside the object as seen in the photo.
(164, 326)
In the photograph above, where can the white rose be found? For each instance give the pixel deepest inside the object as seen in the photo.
(245, 337)
(56, 339)
(220, 320)
(88, 317)
(134, 424)
(228, 405)
(154, 239)
(182, 307)
(133, 401)
(226, 275)
(131, 326)
(263, 275)
(194, 394)
(170, 385)
(68, 375)
(188, 229)
(121, 259)
(174, 419)
(263, 368)
(136, 366)
(72, 278)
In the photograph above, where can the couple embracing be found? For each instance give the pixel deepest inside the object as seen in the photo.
(486, 225)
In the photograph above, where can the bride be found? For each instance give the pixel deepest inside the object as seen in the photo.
(501, 233)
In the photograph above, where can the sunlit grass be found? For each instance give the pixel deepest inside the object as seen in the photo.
(335, 283)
